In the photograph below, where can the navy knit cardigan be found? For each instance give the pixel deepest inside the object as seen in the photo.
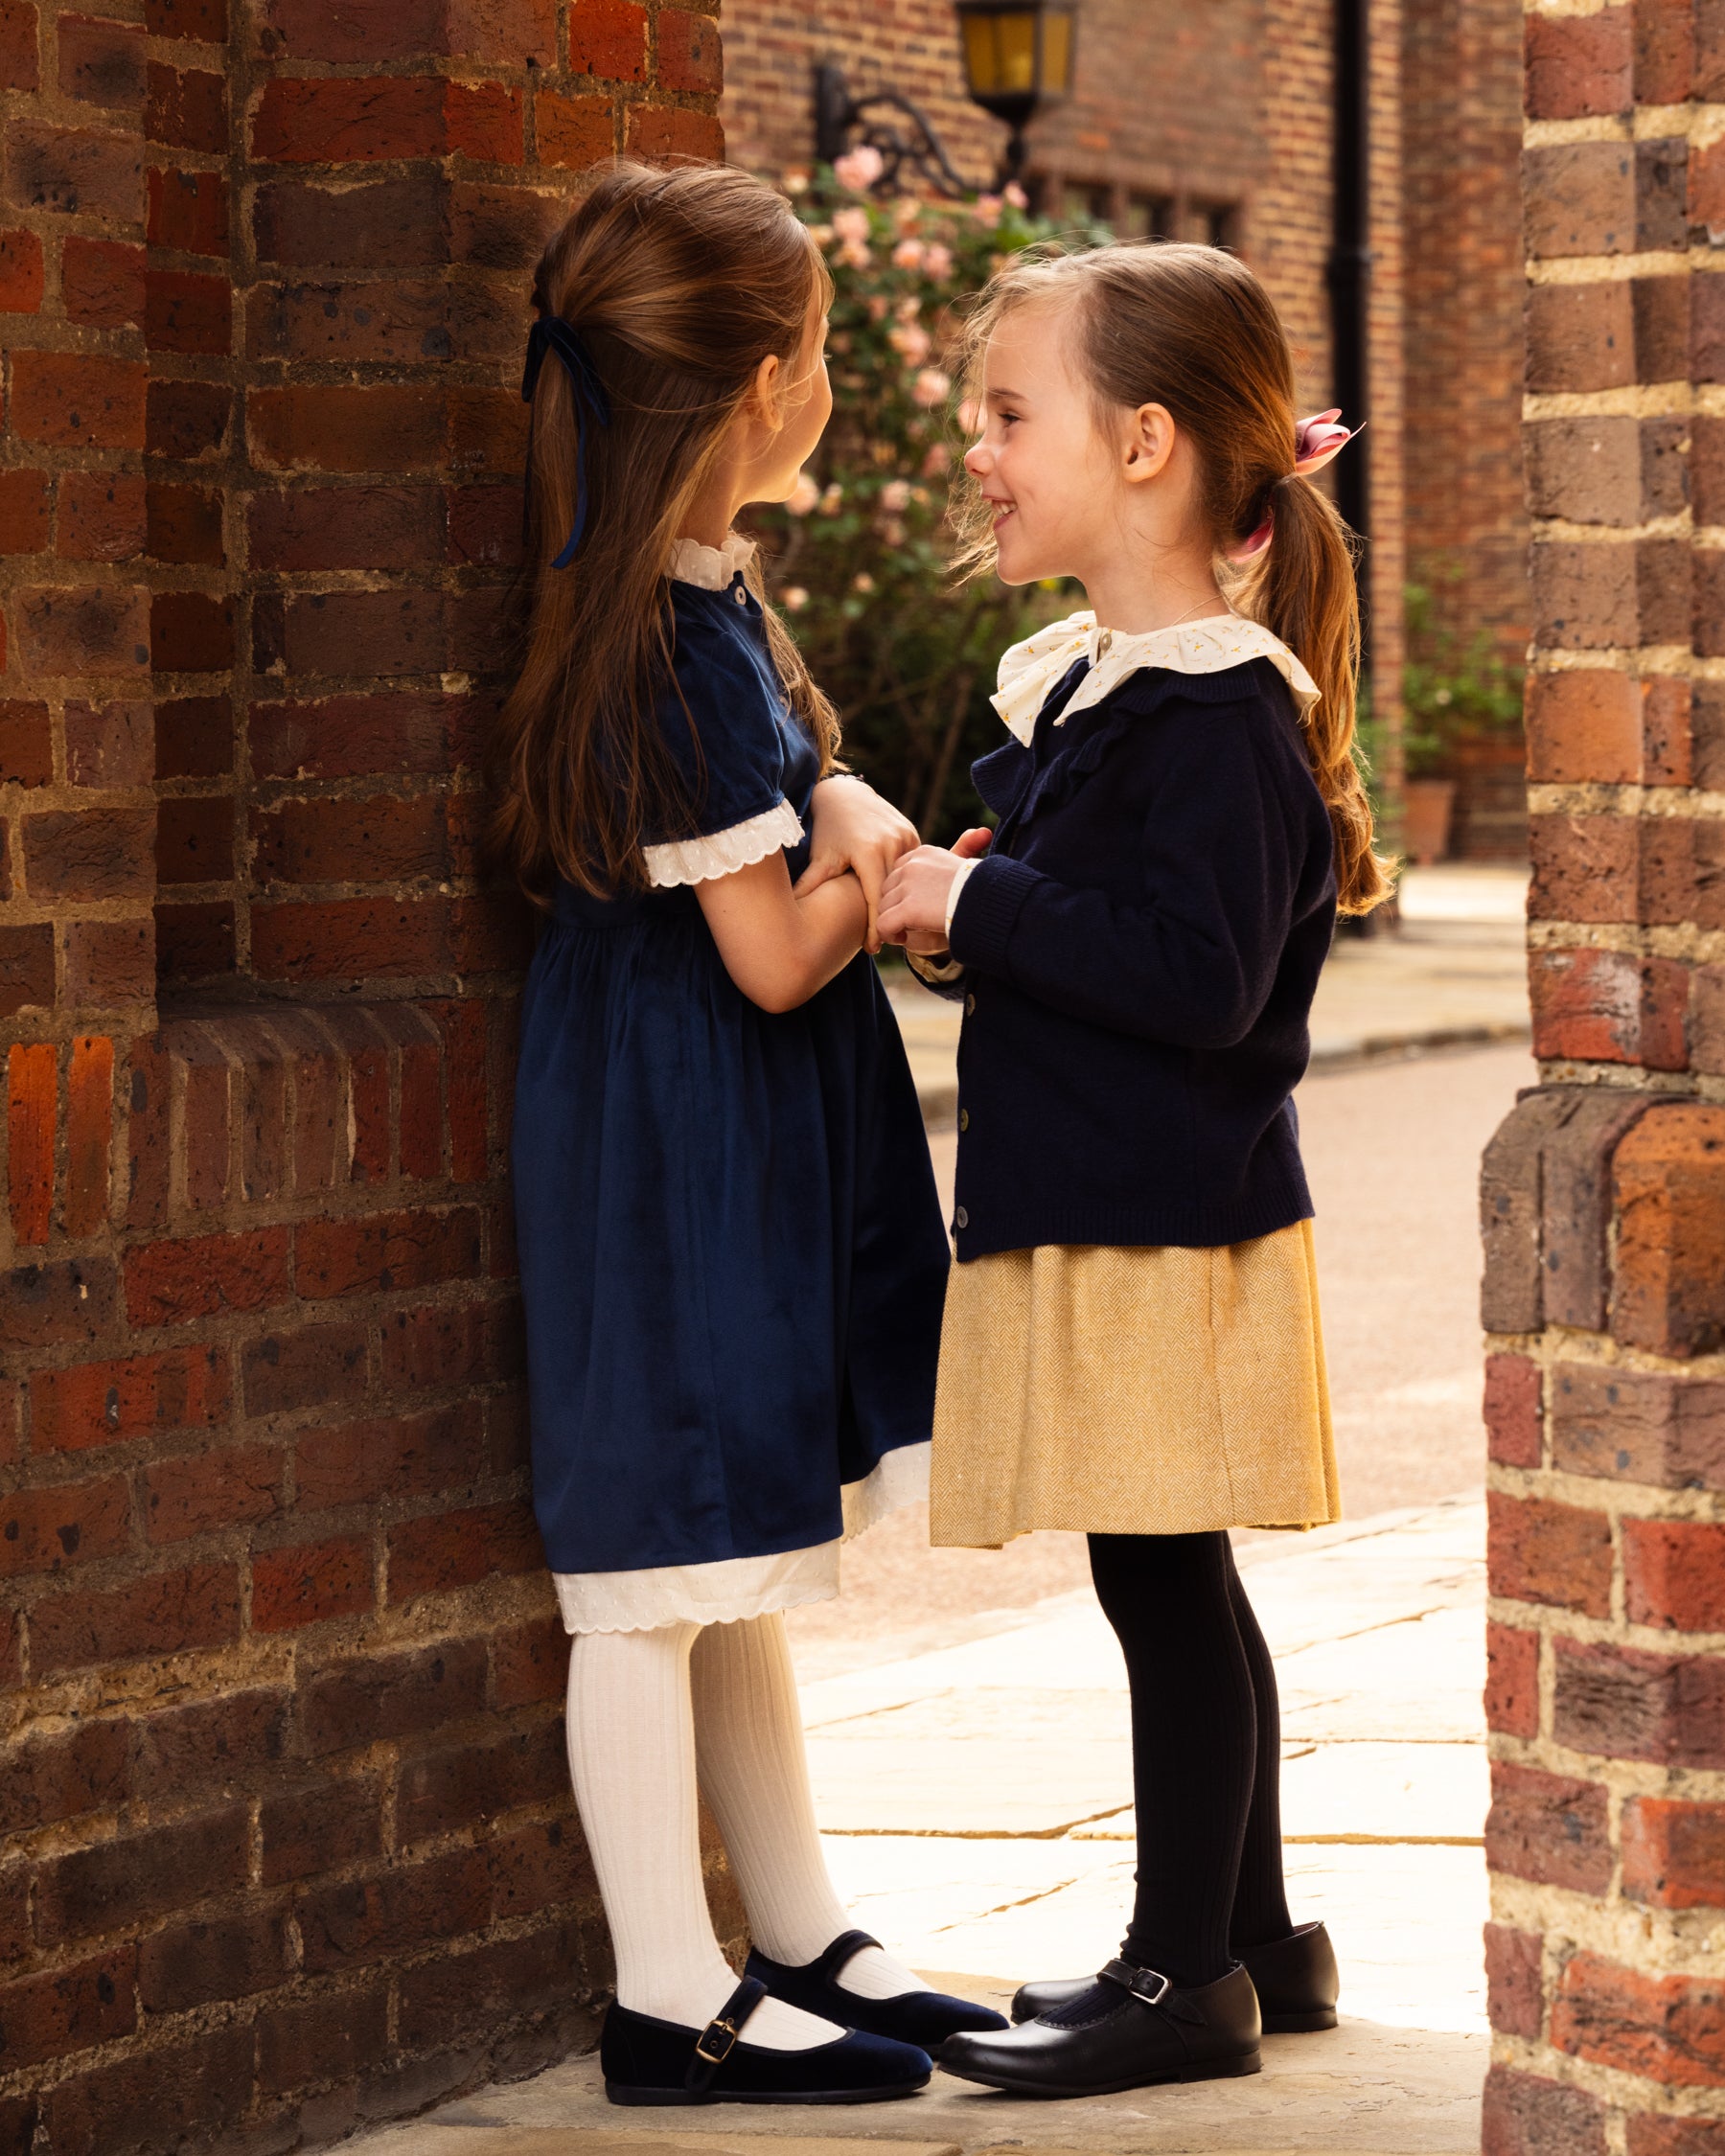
(1140, 946)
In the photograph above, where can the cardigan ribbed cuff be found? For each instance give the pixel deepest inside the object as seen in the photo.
(988, 906)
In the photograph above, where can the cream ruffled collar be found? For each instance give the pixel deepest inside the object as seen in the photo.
(1029, 669)
(711, 567)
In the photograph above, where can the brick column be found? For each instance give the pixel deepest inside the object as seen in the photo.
(1604, 1191)
(286, 1838)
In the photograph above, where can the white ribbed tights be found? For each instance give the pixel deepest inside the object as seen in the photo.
(644, 1707)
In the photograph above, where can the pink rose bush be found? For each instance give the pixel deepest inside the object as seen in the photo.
(859, 551)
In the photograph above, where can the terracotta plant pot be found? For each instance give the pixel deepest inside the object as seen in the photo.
(1427, 805)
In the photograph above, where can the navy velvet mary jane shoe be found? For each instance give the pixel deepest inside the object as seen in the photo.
(926, 2018)
(647, 2061)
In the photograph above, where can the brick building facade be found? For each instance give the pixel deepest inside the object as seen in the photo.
(289, 1839)
(1218, 124)
(1604, 1191)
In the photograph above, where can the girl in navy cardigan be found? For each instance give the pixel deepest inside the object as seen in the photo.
(731, 1253)
(1132, 1344)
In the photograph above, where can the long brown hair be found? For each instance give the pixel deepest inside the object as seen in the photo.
(1192, 329)
(680, 283)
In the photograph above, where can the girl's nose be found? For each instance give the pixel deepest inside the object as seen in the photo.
(976, 460)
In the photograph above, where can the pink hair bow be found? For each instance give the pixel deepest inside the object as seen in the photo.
(1315, 441)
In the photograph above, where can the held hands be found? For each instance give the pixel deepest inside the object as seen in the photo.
(856, 831)
(913, 904)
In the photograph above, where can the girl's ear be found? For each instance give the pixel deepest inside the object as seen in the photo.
(1149, 442)
(767, 394)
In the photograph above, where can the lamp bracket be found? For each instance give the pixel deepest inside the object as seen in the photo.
(888, 122)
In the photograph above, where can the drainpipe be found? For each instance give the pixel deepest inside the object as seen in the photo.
(1349, 267)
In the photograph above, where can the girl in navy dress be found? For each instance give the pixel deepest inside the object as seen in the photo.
(1132, 1345)
(732, 1259)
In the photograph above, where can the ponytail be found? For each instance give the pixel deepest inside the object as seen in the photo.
(1305, 593)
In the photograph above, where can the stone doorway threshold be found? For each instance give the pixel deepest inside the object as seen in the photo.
(976, 1804)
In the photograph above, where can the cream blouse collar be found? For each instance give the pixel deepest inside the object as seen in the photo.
(1029, 669)
(711, 567)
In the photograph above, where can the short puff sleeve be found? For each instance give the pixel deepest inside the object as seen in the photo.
(723, 722)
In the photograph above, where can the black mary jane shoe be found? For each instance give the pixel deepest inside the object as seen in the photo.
(1129, 2030)
(647, 2061)
(1295, 1979)
(924, 2018)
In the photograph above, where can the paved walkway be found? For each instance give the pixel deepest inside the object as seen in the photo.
(975, 1801)
(1456, 972)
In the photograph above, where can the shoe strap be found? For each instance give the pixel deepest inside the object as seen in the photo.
(1149, 1986)
(717, 2040)
(1153, 1989)
(844, 1950)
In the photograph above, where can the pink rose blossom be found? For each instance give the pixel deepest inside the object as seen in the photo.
(895, 496)
(910, 341)
(906, 211)
(986, 210)
(937, 261)
(851, 224)
(877, 306)
(1016, 196)
(803, 497)
(831, 500)
(909, 254)
(970, 412)
(862, 581)
(854, 255)
(794, 598)
(859, 168)
(930, 388)
(934, 464)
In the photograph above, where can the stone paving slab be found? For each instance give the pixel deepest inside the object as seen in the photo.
(1367, 1792)
(1354, 2091)
(958, 1775)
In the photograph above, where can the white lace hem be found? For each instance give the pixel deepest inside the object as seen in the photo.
(721, 853)
(737, 1587)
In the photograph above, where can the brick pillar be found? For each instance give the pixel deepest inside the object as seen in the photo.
(1604, 1191)
(285, 1839)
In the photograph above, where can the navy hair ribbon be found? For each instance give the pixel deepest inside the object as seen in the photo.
(552, 334)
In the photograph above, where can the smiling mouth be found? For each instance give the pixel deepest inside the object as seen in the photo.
(1001, 510)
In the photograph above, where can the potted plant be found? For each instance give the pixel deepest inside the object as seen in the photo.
(1462, 707)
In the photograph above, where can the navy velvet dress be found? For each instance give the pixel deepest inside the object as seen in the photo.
(732, 1257)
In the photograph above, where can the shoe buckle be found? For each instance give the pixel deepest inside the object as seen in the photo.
(1139, 1982)
(726, 2033)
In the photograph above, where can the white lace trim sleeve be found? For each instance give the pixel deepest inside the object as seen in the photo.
(721, 853)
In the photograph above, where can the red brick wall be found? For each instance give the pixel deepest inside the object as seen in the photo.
(1605, 1192)
(289, 1844)
(1468, 539)
(771, 48)
(1461, 213)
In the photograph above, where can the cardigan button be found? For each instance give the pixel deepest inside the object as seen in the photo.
(961, 1219)
(970, 1005)
(964, 1118)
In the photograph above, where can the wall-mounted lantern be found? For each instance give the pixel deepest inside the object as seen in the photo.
(1018, 58)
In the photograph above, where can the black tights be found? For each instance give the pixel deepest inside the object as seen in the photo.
(1206, 1753)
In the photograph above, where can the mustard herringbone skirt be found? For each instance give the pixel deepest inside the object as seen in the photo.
(1148, 1391)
